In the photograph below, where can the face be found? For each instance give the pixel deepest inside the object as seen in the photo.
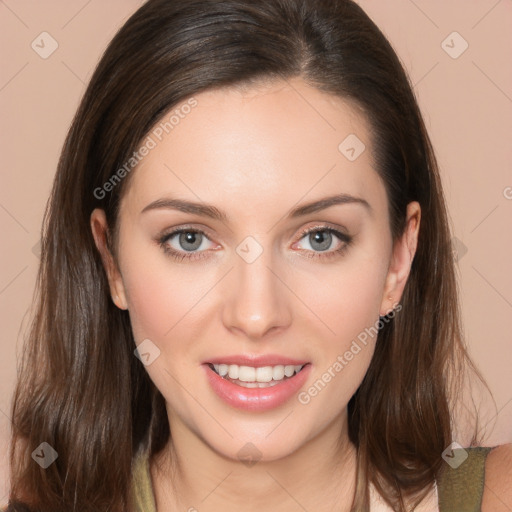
(258, 274)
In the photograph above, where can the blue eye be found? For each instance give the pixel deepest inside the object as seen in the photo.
(188, 240)
(191, 243)
(321, 239)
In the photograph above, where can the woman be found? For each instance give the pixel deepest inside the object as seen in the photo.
(247, 295)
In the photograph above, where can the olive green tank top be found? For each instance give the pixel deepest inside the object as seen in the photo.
(459, 489)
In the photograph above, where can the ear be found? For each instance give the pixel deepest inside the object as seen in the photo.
(100, 233)
(404, 250)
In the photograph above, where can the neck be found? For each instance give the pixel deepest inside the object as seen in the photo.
(189, 475)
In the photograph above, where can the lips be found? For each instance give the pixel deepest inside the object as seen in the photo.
(256, 360)
(256, 399)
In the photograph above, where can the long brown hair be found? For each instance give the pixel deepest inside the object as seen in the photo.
(81, 389)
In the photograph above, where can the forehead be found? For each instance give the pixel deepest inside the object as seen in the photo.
(263, 146)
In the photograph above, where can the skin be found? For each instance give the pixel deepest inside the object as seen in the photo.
(497, 495)
(256, 154)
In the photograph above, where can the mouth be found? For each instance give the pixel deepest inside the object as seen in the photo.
(256, 388)
(256, 377)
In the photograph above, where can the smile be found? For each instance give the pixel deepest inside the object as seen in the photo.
(256, 388)
(252, 377)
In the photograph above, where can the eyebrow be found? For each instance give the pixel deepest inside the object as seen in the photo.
(208, 210)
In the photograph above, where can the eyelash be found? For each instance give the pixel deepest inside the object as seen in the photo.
(193, 256)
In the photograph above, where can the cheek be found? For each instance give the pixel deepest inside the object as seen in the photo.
(344, 298)
(349, 306)
(161, 301)
(158, 294)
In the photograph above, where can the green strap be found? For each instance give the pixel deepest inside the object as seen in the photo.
(460, 485)
(143, 498)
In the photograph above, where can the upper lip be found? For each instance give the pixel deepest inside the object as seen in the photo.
(256, 360)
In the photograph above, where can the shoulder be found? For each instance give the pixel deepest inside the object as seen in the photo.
(497, 495)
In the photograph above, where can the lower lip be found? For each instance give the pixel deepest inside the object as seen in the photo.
(256, 399)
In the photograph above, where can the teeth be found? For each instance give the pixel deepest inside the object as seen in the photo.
(233, 371)
(251, 375)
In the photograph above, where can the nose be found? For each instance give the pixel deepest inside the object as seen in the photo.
(256, 299)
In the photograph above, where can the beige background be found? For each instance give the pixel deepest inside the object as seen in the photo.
(466, 101)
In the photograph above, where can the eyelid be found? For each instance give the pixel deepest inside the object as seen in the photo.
(169, 233)
(338, 232)
(344, 238)
(325, 226)
(185, 228)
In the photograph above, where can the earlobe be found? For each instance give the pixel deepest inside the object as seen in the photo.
(99, 229)
(401, 260)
